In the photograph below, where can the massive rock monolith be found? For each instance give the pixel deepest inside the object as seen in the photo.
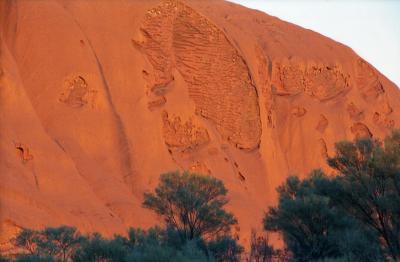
(97, 98)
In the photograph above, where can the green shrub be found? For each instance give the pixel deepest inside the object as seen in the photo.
(192, 204)
(225, 248)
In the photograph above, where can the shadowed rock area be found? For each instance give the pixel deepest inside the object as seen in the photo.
(98, 98)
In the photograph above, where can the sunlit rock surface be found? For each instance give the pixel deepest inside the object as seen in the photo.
(97, 98)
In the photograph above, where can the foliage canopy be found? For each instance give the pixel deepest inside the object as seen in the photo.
(193, 204)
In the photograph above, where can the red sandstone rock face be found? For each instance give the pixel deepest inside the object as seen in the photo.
(97, 98)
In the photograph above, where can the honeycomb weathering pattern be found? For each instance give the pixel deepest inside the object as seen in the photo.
(287, 78)
(320, 81)
(217, 76)
(184, 136)
(157, 30)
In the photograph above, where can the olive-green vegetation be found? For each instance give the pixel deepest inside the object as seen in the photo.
(196, 228)
(192, 204)
(351, 215)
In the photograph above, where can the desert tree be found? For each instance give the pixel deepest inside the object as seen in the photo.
(58, 242)
(352, 215)
(96, 248)
(27, 240)
(193, 204)
(225, 249)
(158, 244)
(260, 249)
(309, 225)
(367, 186)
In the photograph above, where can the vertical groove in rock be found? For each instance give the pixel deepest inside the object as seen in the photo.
(123, 140)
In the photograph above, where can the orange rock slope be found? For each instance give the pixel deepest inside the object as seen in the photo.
(97, 98)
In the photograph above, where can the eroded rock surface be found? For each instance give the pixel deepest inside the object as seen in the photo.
(77, 93)
(176, 36)
(324, 82)
(103, 96)
(23, 152)
(183, 135)
(360, 130)
(368, 81)
(322, 123)
(354, 112)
